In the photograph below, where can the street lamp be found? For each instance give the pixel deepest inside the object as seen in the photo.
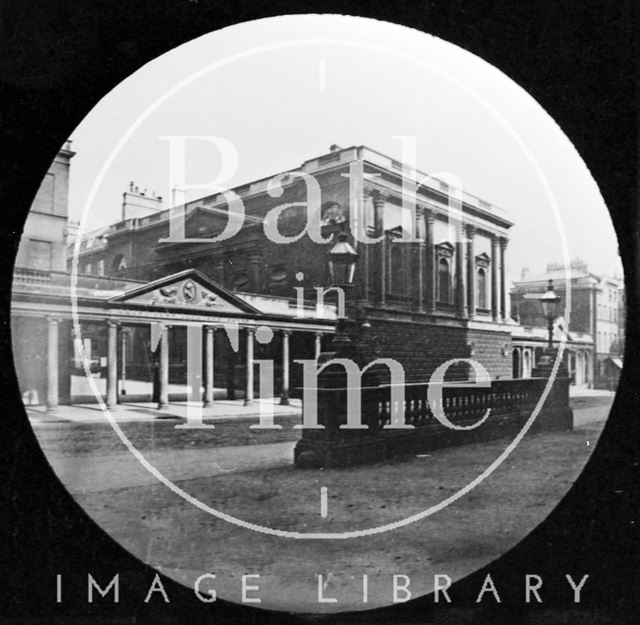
(342, 269)
(550, 302)
(342, 262)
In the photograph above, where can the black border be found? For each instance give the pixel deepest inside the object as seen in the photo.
(57, 58)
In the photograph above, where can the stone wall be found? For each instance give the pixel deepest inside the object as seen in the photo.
(421, 347)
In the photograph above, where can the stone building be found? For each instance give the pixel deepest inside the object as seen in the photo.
(596, 309)
(47, 230)
(431, 282)
(530, 342)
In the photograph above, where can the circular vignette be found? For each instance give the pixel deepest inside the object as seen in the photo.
(74, 277)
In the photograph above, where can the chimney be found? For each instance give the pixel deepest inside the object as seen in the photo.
(139, 204)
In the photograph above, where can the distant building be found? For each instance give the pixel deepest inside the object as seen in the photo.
(529, 343)
(596, 309)
(43, 246)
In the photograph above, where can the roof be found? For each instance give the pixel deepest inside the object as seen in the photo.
(188, 291)
(559, 277)
(336, 157)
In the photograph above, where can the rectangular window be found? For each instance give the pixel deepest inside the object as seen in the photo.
(87, 268)
(101, 267)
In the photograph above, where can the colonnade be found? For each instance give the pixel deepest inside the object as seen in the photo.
(163, 361)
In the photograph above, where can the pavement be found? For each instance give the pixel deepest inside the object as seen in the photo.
(579, 391)
(147, 411)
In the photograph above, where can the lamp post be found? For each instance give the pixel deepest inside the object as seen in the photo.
(555, 413)
(342, 260)
(330, 445)
(549, 303)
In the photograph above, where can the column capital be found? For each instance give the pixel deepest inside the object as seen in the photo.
(430, 215)
(53, 320)
(470, 230)
(286, 332)
(112, 323)
(378, 196)
(250, 330)
(504, 241)
(211, 328)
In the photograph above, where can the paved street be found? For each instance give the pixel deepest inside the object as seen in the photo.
(105, 463)
(256, 482)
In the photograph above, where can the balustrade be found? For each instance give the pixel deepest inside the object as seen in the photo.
(511, 403)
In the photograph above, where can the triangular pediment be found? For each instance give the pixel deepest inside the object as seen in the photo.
(483, 260)
(186, 289)
(445, 248)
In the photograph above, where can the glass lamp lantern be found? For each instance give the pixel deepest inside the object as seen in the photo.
(342, 262)
(550, 301)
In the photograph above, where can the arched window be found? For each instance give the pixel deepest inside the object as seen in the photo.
(444, 281)
(119, 263)
(332, 213)
(526, 364)
(482, 288)
(516, 364)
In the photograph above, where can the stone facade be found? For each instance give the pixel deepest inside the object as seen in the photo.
(596, 310)
(430, 279)
(46, 231)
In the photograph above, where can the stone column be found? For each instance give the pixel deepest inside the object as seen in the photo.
(284, 397)
(471, 271)
(209, 358)
(495, 288)
(420, 249)
(431, 265)
(52, 364)
(318, 345)
(164, 368)
(248, 391)
(461, 287)
(123, 362)
(380, 266)
(112, 364)
(504, 311)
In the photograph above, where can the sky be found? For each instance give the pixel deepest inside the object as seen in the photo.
(282, 90)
